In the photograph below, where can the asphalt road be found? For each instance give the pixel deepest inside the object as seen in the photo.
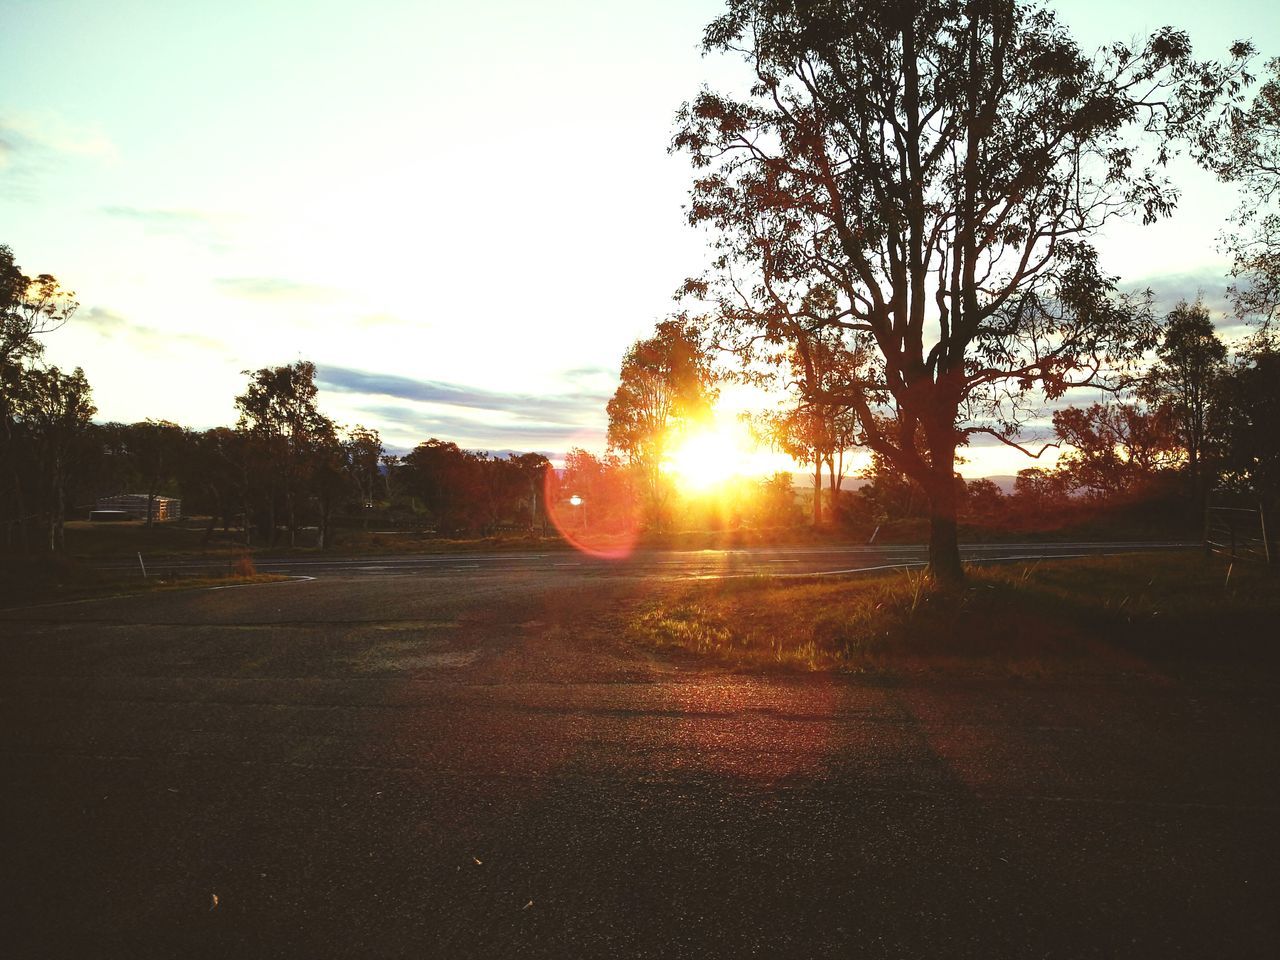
(439, 763)
(825, 559)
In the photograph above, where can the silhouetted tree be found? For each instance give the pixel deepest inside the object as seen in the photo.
(29, 308)
(1192, 357)
(927, 174)
(984, 500)
(889, 493)
(774, 503)
(815, 431)
(803, 434)
(156, 448)
(1038, 491)
(447, 479)
(278, 413)
(665, 383)
(1244, 421)
(604, 486)
(53, 412)
(364, 456)
(1118, 450)
(532, 468)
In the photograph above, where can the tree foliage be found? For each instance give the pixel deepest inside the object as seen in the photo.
(664, 385)
(42, 410)
(1244, 149)
(1243, 425)
(1118, 450)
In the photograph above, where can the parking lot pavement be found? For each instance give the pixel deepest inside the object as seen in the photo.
(478, 766)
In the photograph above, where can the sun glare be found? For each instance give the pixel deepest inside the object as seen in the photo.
(714, 453)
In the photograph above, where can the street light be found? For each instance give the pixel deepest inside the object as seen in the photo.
(577, 501)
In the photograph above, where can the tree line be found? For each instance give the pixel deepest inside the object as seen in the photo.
(1199, 418)
(283, 466)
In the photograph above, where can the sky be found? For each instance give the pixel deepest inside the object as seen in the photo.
(462, 213)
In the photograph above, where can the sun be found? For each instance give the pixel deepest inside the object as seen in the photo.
(709, 455)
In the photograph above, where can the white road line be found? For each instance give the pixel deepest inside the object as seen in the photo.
(405, 561)
(889, 566)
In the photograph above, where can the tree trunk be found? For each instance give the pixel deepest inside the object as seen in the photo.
(944, 540)
(944, 550)
(817, 494)
(57, 509)
(326, 514)
(20, 509)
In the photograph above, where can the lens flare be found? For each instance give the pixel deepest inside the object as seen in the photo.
(596, 522)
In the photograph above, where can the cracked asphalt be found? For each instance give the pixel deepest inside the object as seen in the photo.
(474, 763)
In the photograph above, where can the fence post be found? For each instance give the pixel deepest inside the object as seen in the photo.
(1266, 542)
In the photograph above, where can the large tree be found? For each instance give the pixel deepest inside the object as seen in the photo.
(927, 176)
(29, 308)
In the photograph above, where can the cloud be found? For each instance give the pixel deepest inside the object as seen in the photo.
(191, 224)
(566, 409)
(50, 134)
(274, 289)
(374, 321)
(1209, 283)
(164, 220)
(33, 148)
(417, 425)
(582, 373)
(110, 324)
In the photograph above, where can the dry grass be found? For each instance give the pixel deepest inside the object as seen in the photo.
(1106, 614)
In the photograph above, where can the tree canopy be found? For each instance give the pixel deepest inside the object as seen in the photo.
(1244, 148)
(925, 177)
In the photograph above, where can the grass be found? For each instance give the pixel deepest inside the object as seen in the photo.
(1129, 614)
(53, 579)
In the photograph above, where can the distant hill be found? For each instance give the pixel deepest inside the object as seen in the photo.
(801, 480)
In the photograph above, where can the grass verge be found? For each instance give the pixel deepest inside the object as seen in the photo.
(58, 579)
(1129, 614)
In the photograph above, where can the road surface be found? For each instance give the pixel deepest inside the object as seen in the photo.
(746, 561)
(471, 762)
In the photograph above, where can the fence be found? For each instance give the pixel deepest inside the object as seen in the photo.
(1237, 532)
